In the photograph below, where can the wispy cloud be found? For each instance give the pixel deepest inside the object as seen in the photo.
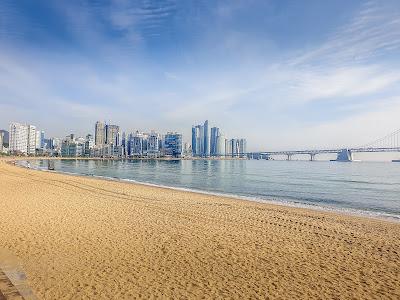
(373, 32)
(139, 20)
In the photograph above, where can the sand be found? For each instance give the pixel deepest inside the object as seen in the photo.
(85, 238)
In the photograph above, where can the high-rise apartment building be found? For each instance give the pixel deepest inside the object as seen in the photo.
(22, 138)
(31, 140)
(153, 145)
(112, 135)
(173, 144)
(40, 140)
(228, 148)
(242, 147)
(89, 144)
(124, 143)
(137, 144)
(99, 134)
(1, 141)
(220, 147)
(6, 137)
(187, 149)
(236, 147)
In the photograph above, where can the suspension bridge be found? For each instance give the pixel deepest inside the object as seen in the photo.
(388, 143)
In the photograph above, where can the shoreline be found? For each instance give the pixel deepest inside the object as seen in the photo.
(81, 237)
(280, 202)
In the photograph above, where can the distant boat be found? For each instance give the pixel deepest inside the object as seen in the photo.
(396, 160)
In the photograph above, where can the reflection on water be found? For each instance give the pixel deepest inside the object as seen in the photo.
(371, 187)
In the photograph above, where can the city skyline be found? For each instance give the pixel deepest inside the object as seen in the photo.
(327, 78)
(108, 140)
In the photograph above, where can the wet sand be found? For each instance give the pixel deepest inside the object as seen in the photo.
(85, 238)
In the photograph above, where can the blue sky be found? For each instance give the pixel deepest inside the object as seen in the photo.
(284, 74)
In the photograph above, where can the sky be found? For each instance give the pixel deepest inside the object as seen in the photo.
(283, 74)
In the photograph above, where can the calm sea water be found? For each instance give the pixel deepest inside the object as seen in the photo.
(361, 187)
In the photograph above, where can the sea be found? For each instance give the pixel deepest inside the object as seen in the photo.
(362, 188)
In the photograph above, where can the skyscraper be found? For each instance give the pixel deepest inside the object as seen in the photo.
(194, 135)
(124, 143)
(206, 133)
(40, 141)
(197, 140)
(31, 139)
(228, 148)
(112, 135)
(242, 147)
(220, 147)
(235, 147)
(201, 140)
(215, 132)
(99, 134)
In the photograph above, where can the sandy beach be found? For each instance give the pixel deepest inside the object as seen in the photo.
(85, 238)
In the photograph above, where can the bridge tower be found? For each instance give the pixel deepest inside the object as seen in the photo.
(345, 155)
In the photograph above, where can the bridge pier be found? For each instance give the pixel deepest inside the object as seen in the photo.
(289, 157)
(312, 156)
(345, 155)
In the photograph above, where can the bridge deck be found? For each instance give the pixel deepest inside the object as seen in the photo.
(325, 151)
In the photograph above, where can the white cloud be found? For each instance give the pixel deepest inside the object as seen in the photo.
(341, 83)
(373, 32)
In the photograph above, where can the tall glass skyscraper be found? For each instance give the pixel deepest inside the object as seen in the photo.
(197, 140)
(201, 140)
(206, 132)
(215, 133)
